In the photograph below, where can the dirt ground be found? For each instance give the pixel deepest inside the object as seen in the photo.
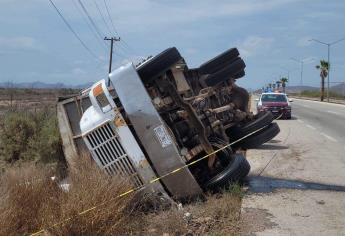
(218, 215)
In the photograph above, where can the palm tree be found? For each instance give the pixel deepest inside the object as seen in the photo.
(323, 67)
(270, 87)
(284, 80)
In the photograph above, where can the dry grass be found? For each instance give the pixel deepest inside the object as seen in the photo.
(218, 215)
(27, 198)
(30, 200)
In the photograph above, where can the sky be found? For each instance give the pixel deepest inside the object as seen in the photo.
(36, 45)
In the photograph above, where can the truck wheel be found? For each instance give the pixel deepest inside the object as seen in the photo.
(260, 120)
(159, 64)
(219, 62)
(239, 75)
(226, 73)
(259, 138)
(234, 172)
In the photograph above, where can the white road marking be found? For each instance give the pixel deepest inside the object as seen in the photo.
(333, 112)
(300, 121)
(329, 137)
(311, 127)
(304, 105)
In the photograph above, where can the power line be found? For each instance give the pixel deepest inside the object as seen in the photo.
(111, 20)
(91, 20)
(114, 28)
(113, 25)
(74, 33)
(89, 25)
(103, 18)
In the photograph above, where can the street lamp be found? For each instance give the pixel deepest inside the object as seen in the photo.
(329, 63)
(302, 62)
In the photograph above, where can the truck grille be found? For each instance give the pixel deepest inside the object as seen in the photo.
(108, 152)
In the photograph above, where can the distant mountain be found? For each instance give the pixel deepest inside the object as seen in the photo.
(42, 85)
(339, 88)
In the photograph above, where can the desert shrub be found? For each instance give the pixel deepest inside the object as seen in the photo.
(30, 201)
(317, 94)
(17, 131)
(30, 135)
(47, 144)
(27, 197)
(218, 214)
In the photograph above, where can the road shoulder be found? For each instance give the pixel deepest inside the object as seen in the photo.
(295, 158)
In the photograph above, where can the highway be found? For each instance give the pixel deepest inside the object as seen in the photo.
(297, 180)
(326, 118)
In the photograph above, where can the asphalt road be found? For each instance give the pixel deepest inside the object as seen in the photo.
(297, 180)
(326, 118)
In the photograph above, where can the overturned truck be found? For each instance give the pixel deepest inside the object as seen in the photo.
(158, 116)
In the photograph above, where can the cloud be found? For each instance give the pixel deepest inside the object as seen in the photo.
(10, 45)
(18, 43)
(78, 71)
(161, 13)
(254, 45)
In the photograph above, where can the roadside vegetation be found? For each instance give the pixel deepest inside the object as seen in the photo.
(31, 200)
(323, 67)
(30, 136)
(28, 127)
(317, 94)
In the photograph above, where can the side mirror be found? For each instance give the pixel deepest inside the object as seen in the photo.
(256, 99)
(290, 100)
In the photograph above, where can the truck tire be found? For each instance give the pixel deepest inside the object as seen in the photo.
(159, 64)
(260, 120)
(259, 138)
(226, 73)
(239, 75)
(234, 172)
(219, 62)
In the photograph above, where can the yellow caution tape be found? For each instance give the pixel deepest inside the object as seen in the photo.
(151, 182)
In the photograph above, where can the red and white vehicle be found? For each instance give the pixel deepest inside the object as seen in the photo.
(277, 103)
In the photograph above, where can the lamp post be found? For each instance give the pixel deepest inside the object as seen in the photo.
(302, 63)
(328, 60)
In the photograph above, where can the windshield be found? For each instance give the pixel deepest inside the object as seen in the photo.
(273, 98)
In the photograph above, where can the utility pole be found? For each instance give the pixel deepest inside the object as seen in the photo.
(112, 39)
(329, 63)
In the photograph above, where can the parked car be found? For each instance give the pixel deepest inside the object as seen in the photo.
(277, 103)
